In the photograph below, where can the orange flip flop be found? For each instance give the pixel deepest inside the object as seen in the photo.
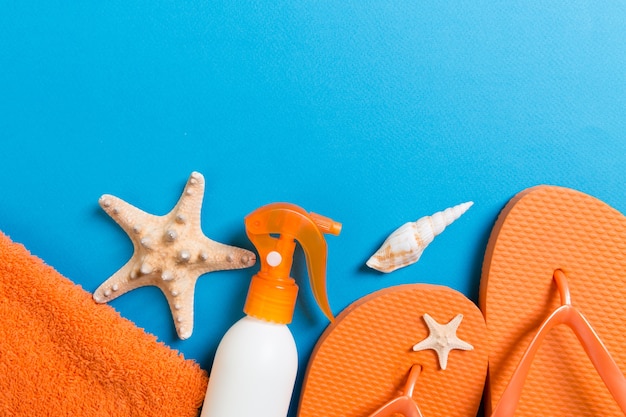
(553, 292)
(416, 350)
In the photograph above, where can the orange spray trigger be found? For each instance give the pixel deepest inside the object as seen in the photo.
(273, 229)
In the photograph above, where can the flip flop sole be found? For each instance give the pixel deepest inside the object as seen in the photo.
(363, 358)
(542, 229)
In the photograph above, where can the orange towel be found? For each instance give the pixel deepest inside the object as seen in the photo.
(61, 354)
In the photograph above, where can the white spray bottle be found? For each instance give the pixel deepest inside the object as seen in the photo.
(255, 366)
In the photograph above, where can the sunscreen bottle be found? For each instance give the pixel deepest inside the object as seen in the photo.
(256, 362)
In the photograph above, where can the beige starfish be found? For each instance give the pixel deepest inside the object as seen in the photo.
(442, 339)
(171, 252)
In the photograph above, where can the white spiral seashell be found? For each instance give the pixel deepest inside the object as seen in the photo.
(405, 245)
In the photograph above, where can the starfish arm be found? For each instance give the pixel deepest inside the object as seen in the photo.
(119, 283)
(457, 343)
(189, 207)
(455, 322)
(443, 358)
(424, 344)
(216, 256)
(430, 322)
(429, 341)
(461, 345)
(180, 297)
(129, 217)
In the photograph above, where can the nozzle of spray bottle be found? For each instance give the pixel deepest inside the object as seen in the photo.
(273, 229)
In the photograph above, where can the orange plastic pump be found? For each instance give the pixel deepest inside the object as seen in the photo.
(274, 230)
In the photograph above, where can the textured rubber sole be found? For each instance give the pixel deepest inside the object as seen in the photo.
(363, 358)
(543, 229)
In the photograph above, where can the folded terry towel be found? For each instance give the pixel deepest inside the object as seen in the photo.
(61, 354)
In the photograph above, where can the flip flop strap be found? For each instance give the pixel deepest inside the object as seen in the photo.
(403, 404)
(399, 405)
(589, 339)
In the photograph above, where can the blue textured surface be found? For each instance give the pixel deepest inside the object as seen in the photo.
(373, 113)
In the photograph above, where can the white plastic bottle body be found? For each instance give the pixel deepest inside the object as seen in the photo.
(254, 371)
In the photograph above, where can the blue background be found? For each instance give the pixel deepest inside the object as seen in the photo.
(373, 113)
